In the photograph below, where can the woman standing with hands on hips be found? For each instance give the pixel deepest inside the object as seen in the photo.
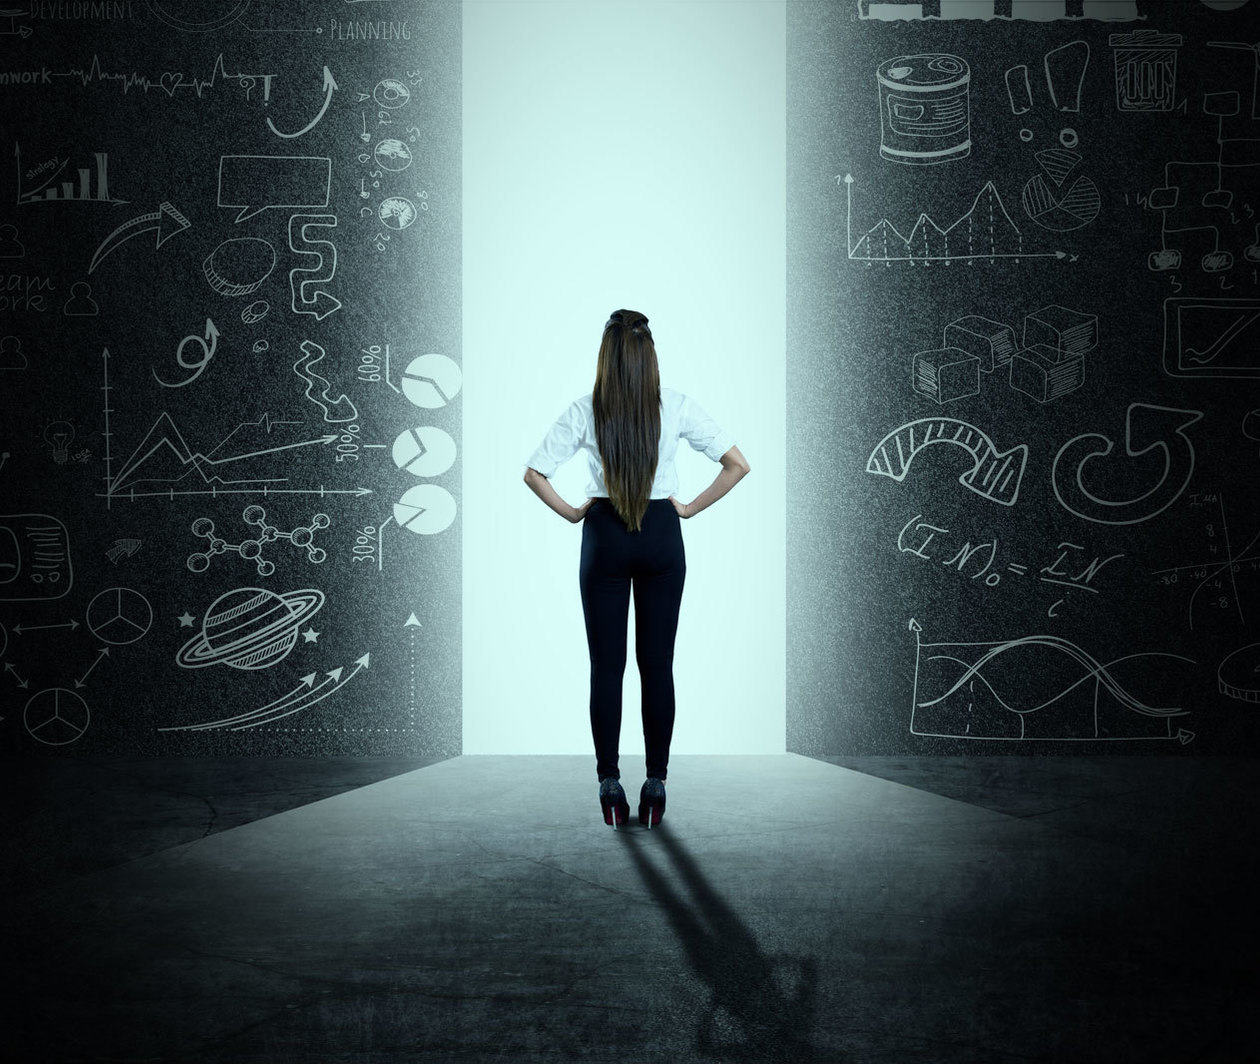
(629, 426)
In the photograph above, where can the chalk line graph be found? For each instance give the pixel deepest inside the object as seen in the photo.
(1208, 573)
(956, 696)
(985, 232)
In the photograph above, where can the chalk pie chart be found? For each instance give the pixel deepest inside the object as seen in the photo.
(56, 716)
(1056, 201)
(393, 155)
(431, 381)
(425, 509)
(425, 451)
(119, 616)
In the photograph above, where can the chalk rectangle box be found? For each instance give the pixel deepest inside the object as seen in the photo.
(990, 341)
(1067, 332)
(1045, 373)
(946, 374)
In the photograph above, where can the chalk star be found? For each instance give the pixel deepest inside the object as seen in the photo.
(186, 620)
(310, 635)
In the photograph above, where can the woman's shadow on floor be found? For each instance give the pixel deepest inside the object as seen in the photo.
(772, 1024)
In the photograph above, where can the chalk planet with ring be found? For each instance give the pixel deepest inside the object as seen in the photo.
(249, 628)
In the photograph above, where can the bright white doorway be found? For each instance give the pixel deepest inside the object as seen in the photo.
(622, 154)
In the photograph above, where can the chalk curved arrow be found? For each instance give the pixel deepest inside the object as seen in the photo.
(1146, 427)
(996, 475)
(208, 346)
(333, 683)
(304, 685)
(330, 86)
(167, 220)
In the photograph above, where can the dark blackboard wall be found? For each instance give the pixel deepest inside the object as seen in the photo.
(976, 564)
(220, 218)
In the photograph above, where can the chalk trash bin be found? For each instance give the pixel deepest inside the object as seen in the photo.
(1146, 69)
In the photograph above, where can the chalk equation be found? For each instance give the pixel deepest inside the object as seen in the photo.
(988, 562)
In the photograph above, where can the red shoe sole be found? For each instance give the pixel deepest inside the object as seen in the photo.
(615, 814)
(651, 814)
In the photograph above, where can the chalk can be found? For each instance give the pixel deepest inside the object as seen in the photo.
(924, 108)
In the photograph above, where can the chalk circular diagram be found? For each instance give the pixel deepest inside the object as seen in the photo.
(1239, 674)
(56, 716)
(431, 381)
(249, 628)
(391, 93)
(1056, 202)
(239, 265)
(119, 616)
(425, 509)
(392, 155)
(1068, 137)
(1223, 5)
(425, 451)
(1025, 135)
(198, 16)
(396, 212)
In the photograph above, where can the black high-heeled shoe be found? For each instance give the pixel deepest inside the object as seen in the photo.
(612, 800)
(652, 801)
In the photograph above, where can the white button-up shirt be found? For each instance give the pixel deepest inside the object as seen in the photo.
(681, 418)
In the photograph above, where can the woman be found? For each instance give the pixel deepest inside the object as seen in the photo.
(629, 426)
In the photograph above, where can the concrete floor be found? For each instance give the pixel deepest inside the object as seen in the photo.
(878, 909)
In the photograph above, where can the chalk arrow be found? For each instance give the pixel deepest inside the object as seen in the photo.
(412, 622)
(330, 86)
(102, 653)
(1146, 428)
(167, 220)
(338, 682)
(20, 628)
(10, 669)
(303, 686)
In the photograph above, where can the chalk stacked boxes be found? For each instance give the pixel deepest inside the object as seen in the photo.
(1052, 362)
(971, 344)
(1049, 363)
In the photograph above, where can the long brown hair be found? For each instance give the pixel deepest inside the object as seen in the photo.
(627, 403)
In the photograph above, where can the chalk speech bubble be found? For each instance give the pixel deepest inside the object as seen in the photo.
(256, 183)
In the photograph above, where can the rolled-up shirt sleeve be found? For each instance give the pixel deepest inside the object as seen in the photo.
(702, 432)
(561, 442)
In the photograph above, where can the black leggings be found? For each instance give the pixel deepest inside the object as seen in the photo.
(654, 560)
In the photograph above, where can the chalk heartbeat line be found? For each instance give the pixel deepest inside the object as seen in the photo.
(1091, 669)
(169, 82)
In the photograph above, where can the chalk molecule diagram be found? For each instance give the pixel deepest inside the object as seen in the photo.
(251, 549)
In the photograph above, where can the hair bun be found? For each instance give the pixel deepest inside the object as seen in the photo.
(628, 319)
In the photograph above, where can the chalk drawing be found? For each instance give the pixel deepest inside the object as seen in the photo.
(1023, 689)
(995, 475)
(1146, 428)
(249, 628)
(251, 549)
